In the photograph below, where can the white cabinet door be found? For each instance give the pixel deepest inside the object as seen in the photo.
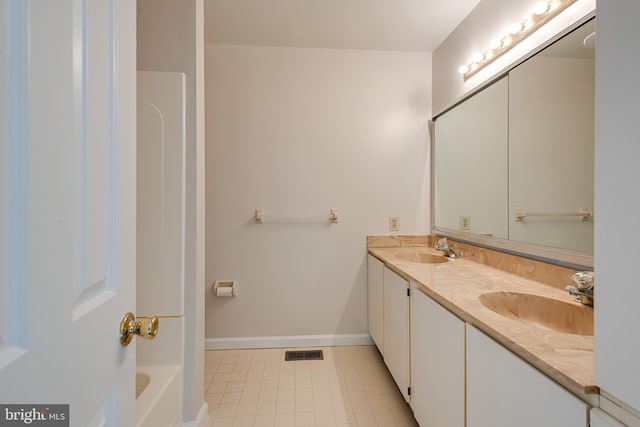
(396, 329)
(437, 363)
(505, 391)
(375, 299)
(68, 208)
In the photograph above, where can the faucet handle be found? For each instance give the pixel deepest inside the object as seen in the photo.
(443, 242)
(584, 279)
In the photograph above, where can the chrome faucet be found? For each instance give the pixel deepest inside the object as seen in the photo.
(444, 246)
(583, 291)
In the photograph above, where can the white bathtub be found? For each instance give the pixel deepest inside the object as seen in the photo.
(159, 396)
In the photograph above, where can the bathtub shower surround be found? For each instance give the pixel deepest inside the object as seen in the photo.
(160, 249)
(159, 402)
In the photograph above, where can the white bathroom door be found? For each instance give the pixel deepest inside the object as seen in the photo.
(67, 208)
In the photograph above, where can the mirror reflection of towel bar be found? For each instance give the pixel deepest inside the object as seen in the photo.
(584, 214)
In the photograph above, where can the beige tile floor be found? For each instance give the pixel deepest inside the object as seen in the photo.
(350, 387)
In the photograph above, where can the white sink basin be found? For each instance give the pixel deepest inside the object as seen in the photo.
(561, 316)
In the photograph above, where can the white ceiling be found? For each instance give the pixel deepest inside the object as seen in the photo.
(403, 25)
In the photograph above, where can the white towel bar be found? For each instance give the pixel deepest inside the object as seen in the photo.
(261, 217)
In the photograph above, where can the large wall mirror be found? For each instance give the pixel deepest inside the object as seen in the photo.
(514, 162)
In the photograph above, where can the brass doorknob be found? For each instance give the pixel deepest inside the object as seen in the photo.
(146, 328)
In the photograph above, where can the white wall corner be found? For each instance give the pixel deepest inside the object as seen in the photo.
(202, 420)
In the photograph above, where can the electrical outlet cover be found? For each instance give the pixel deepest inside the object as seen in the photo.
(465, 223)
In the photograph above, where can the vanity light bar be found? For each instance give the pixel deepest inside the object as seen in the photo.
(543, 12)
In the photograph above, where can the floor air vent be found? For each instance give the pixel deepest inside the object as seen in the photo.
(303, 355)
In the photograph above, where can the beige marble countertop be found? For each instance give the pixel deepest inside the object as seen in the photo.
(458, 284)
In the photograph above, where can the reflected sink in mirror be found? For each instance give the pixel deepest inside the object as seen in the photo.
(561, 316)
(422, 258)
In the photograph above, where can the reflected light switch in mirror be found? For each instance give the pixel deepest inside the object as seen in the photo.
(465, 223)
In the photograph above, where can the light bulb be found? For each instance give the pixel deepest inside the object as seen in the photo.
(515, 28)
(464, 69)
(528, 23)
(495, 44)
(554, 4)
(541, 7)
(478, 57)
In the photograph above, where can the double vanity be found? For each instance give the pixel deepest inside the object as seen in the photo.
(472, 344)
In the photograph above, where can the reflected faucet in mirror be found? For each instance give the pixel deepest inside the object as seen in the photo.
(583, 291)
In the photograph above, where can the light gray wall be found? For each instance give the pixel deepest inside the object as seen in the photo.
(489, 20)
(298, 132)
(171, 38)
(617, 194)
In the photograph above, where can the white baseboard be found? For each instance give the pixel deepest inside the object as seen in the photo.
(287, 341)
(202, 420)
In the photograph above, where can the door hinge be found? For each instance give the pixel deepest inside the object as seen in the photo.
(409, 391)
(408, 292)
